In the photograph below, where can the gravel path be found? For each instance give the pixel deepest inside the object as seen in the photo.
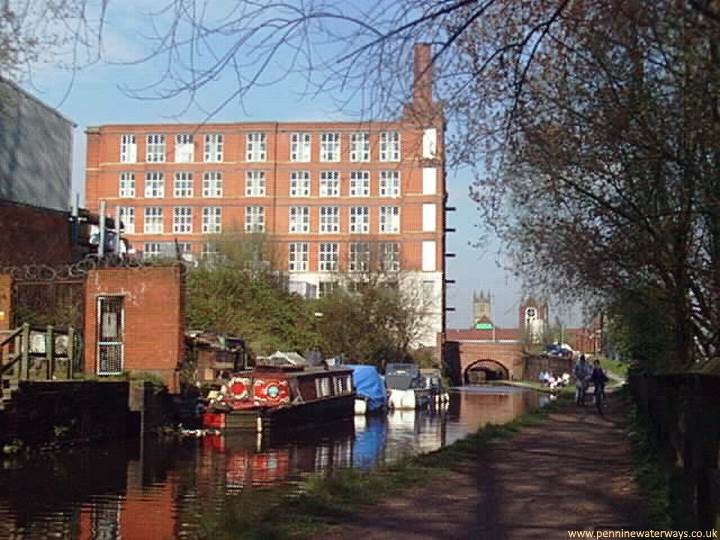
(573, 471)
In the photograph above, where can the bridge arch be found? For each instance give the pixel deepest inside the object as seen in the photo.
(485, 369)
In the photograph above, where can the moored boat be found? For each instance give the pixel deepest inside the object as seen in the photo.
(273, 396)
(406, 386)
(370, 391)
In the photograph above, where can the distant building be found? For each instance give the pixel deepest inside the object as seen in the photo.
(533, 319)
(337, 198)
(482, 308)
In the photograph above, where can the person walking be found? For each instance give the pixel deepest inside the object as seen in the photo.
(582, 373)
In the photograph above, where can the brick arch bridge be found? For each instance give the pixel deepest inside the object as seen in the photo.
(466, 351)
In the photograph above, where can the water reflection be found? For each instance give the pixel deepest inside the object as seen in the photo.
(162, 489)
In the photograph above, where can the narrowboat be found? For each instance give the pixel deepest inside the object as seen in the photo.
(370, 391)
(272, 396)
(406, 386)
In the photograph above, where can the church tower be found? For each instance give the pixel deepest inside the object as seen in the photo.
(533, 318)
(482, 308)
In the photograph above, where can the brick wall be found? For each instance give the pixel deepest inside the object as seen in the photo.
(153, 325)
(460, 355)
(32, 235)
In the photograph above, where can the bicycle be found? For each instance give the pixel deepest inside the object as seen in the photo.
(600, 398)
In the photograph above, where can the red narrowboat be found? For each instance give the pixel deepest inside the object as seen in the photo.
(271, 396)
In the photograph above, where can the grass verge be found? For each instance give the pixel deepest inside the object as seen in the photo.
(619, 368)
(328, 500)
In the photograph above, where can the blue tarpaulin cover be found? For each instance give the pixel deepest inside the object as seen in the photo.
(369, 384)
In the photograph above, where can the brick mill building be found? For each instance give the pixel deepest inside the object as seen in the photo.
(334, 197)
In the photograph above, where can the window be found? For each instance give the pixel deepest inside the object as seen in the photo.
(389, 183)
(428, 256)
(213, 147)
(183, 185)
(389, 219)
(330, 147)
(329, 184)
(390, 256)
(212, 219)
(329, 219)
(300, 146)
(298, 257)
(326, 288)
(359, 260)
(429, 180)
(128, 148)
(359, 219)
(151, 249)
(322, 386)
(300, 184)
(127, 218)
(389, 146)
(328, 257)
(155, 148)
(153, 220)
(185, 250)
(212, 184)
(429, 217)
(184, 148)
(360, 146)
(127, 185)
(429, 143)
(255, 219)
(360, 184)
(154, 185)
(299, 219)
(182, 219)
(255, 184)
(256, 149)
(209, 250)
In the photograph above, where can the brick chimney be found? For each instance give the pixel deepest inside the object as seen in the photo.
(422, 70)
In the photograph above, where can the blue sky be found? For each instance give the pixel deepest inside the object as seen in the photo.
(95, 97)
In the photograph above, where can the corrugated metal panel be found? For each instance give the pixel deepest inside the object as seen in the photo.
(35, 151)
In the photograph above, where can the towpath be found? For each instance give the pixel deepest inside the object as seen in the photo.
(571, 472)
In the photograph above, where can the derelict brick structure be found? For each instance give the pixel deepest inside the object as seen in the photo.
(134, 322)
(332, 195)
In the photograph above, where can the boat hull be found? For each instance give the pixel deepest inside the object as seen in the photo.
(290, 416)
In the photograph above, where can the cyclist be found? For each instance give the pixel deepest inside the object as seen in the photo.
(598, 378)
(582, 373)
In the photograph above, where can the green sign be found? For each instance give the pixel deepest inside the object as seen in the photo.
(483, 326)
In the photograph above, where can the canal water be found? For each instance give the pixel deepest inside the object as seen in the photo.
(156, 489)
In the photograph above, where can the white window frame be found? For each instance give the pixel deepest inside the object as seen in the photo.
(390, 146)
(255, 219)
(359, 220)
(127, 217)
(300, 183)
(256, 146)
(126, 185)
(389, 219)
(213, 148)
(429, 143)
(182, 220)
(390, 183)
(183, 185)
(212, 219)
(355, 263)
(154, 185)
(330, 146)
(390, 256)
(153, 220)
(328, 255)
(298, 256)
(155, 148)
(359, 184)
(299, 219)
(184, 148)
(212, 184)
(209, 250)
(128, 148)
(300, 147)
(150, 252)
(329, 183)
(329, 219)
(255, 183)
(360, 146)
